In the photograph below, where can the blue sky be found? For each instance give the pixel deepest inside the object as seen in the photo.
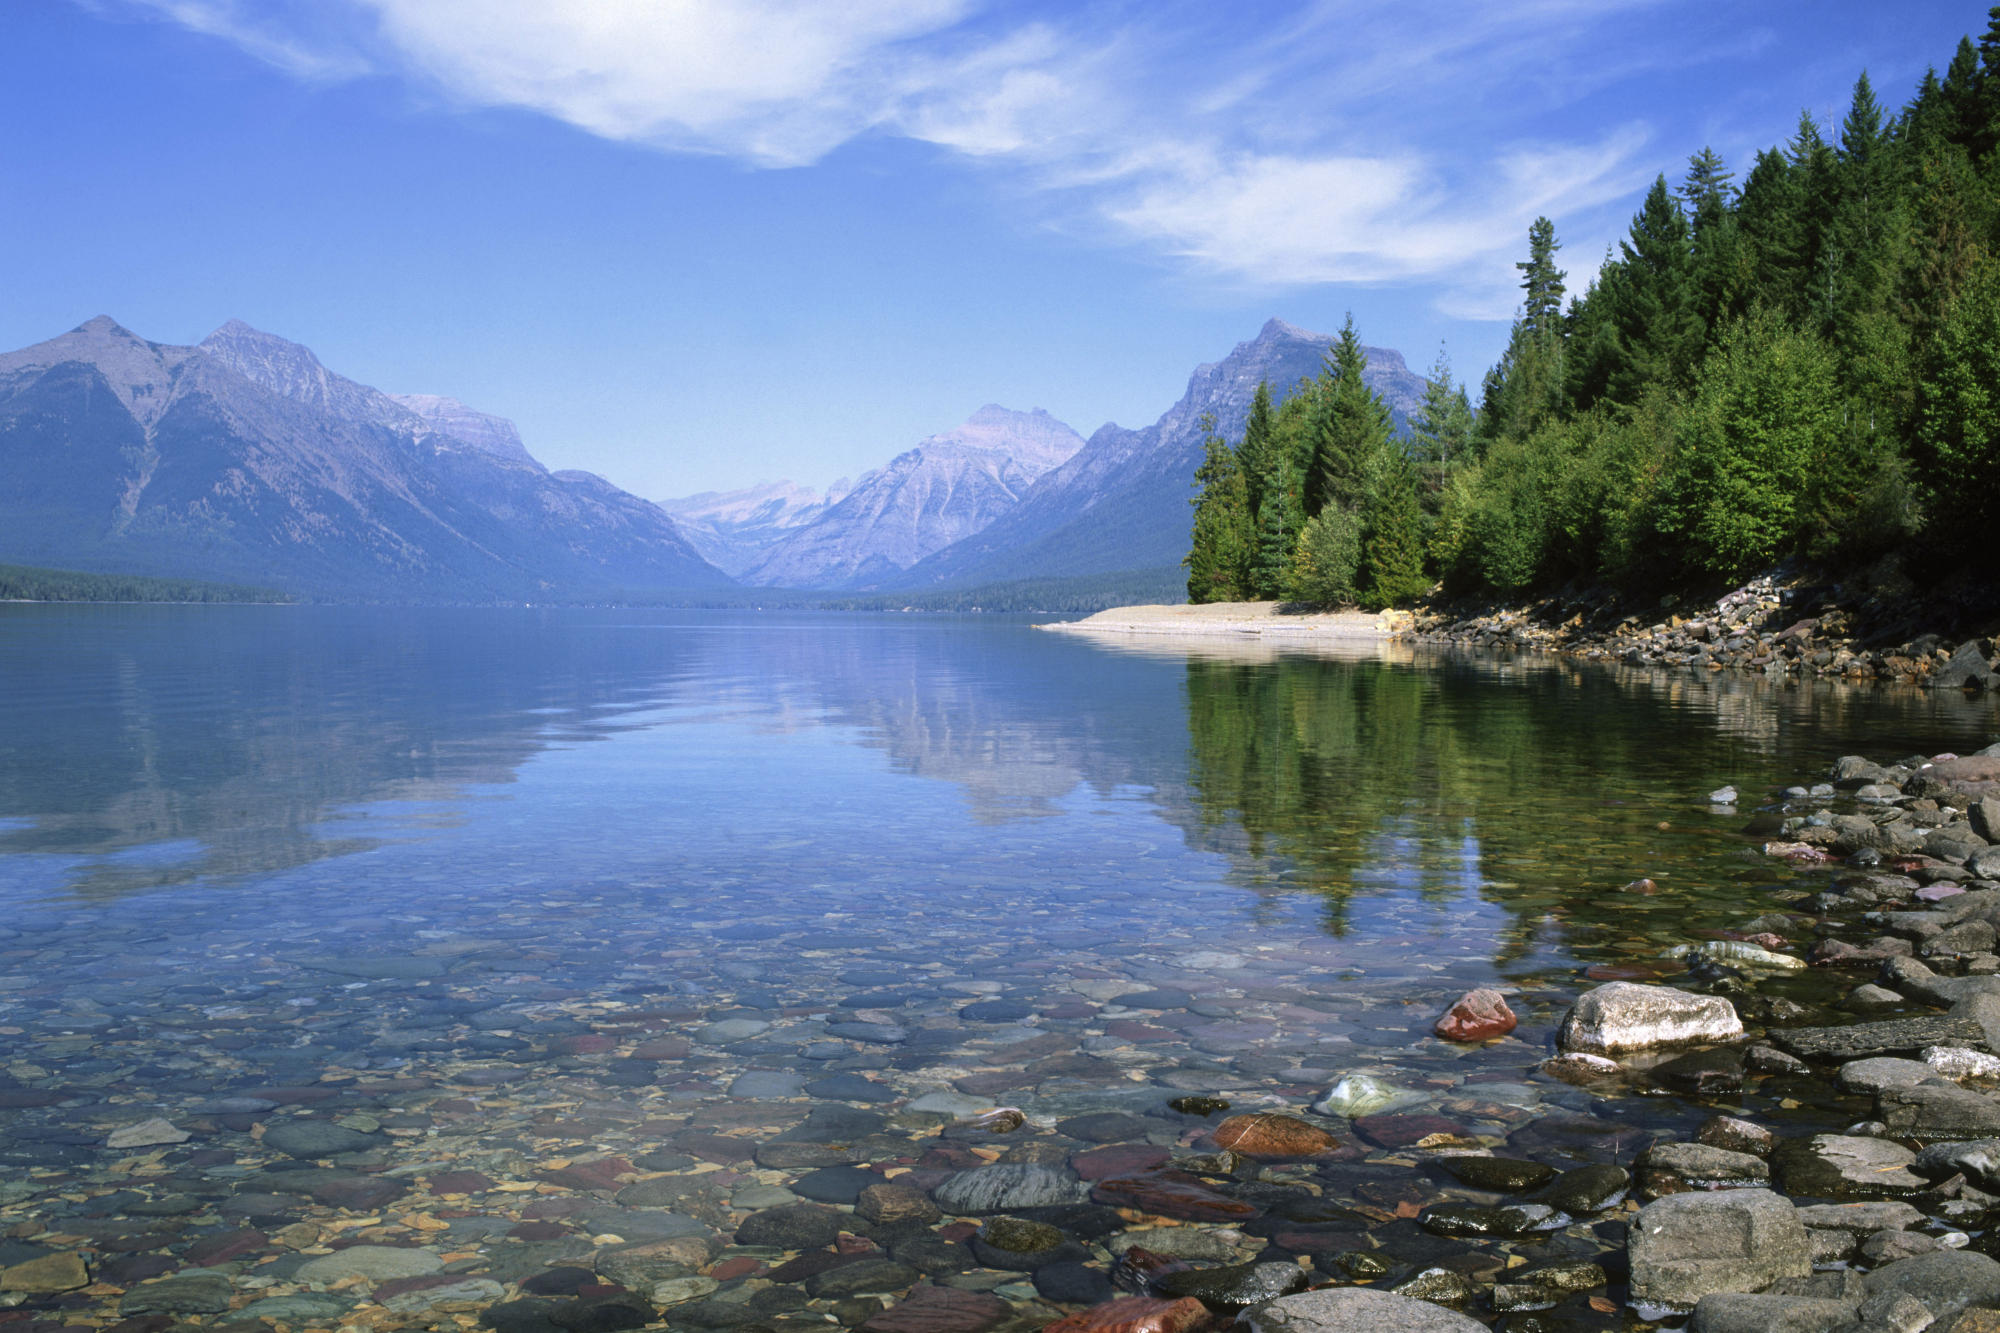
(693, 244)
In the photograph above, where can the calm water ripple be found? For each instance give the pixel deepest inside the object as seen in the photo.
(477, 873)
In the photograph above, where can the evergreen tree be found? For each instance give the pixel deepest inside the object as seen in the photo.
(1441, 429)
(1393, 543)
(1218, 558)
(1353, 424)
(1542, 281)
(1657, 337)
(1719, 276)
(1279, 522)
(1963, 98)
(1259, 450)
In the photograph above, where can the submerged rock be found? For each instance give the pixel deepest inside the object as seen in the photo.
(1478, 1015)
(1624, 1016)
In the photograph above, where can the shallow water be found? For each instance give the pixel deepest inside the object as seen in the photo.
(468, 874)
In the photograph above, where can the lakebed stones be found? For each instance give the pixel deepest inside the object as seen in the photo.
(45, 1276)
(1685, 1246)
(1937, 1110)
(1667, 1167)
(1132, 1314)
(1007, 1187)
(1623, 1016)
(375, 1263)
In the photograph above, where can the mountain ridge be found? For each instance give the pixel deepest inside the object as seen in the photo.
(244, 458)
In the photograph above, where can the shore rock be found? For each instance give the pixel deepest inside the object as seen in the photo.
(1273, 1136)
(1686, 1246)
(1625, 1016)
(1355, 1310)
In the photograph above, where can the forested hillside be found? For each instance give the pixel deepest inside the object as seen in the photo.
(1800, 362)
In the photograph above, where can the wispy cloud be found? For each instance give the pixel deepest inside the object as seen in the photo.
(1327, 143)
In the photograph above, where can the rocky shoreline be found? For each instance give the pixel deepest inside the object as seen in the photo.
(1769, 626)
(1796, 1127)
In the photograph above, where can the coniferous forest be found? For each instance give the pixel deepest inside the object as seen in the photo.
(1794, 358)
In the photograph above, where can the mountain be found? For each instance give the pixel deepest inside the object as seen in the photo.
(1121, 502)
(948, 488)
(477, 430)
(245, 459)
(733, 529)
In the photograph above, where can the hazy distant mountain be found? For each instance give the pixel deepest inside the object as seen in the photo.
(946, 489)
(1121, 502)
(481, 430)
(734, 529)
(245, 459)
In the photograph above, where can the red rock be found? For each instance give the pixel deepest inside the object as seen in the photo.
(1273, 1136)
(1642, 886)
(397, 1286)
(538, 1231)
(582, 1043)
(458, 1182)
(1405, 1131)
(1171, 1194)
(1138, 1268)
(212, 1250)
(958, 1231)
(1135, 1314)
(1120, 1159)
(1321, 1242)
(741, 1266)
(663, 1048)
(1479, 1015)
(941, 1310)
(601, 1174)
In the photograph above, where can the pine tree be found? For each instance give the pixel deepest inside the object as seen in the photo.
(1259, 450)
(1657, 337)
(1541, 280)
(1353, 422)
(1963, 98)
(1279, 522)
(1218, 558)
(1441, 429)
(1392, 562)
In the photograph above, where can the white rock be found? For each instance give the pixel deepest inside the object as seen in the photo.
(1623, 1016)
(1959, 1062)
(1739, 953)
(147, 1134)
(1364, 1094)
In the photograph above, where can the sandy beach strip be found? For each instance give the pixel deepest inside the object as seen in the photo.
(1263, 619)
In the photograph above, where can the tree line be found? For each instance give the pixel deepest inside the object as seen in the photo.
(1803, 364)
(28, 583)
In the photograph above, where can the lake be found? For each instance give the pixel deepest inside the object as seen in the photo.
(585, 911)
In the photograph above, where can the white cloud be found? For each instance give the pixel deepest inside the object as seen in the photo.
(1349, 143)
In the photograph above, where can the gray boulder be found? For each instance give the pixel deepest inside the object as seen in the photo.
(1686, 1246)
(1745, 1312)
(1624, 1016)
(1946, 1281)
(1968, 669)
(1937, 1111)
(1355, 1310)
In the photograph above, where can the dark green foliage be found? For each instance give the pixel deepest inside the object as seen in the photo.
(1392, 554)
(1328, 558)
(1219, 555)
(1352, 425)
(1756, 436)
(1958, 412)
(25, 583)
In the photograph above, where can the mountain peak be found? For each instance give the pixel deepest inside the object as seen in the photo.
(104, 325)
(1275, 329)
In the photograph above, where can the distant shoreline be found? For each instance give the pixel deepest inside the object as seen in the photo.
(1268, 620)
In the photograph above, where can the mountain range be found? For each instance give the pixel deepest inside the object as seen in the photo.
(245, 459)
(1114, 503)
